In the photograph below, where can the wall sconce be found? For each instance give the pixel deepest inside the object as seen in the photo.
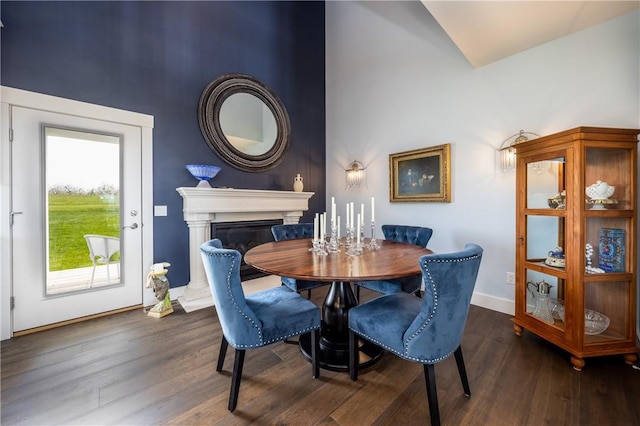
(355, 174)
(508, 152)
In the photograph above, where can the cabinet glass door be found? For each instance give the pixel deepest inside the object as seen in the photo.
(609, 202)
(545, 184)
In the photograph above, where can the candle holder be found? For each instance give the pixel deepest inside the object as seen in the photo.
(353, 248)
(334, 244)
(321, 247)
(373, 244)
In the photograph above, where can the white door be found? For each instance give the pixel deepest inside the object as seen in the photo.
(72, 176)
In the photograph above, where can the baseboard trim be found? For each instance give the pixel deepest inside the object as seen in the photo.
(478, 299)
(505, 306)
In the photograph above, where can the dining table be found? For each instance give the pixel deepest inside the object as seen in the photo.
(294, 259)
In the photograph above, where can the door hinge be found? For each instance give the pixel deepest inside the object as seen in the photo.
(10, 134)
(12, 302)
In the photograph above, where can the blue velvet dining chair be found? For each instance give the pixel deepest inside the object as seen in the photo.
(426, 330)
(256, 320)
(416, 235)
(291, 231)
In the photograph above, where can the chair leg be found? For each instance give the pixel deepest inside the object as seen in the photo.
(315, 351)
(463, 371)
(357, 293)
(432, 394)
(223, 352)
(353, 355)
(309, 294)
(93, 273)
(235, 379)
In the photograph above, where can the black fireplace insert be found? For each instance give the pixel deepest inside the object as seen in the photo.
(243, 236)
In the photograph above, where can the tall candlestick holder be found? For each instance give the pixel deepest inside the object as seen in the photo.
(352, 246)
(373, 244)
(334, 244)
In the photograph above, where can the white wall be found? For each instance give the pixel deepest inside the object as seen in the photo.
(396, 82)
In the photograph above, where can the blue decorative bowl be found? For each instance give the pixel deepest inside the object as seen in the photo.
(203, 172)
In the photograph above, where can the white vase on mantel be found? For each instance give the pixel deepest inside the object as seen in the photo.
(298, 185)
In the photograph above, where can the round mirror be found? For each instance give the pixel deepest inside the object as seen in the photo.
(244, 122)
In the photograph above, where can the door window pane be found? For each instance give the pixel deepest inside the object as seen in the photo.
(83, 210)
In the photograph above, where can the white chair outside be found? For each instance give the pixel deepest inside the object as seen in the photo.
(102, 251)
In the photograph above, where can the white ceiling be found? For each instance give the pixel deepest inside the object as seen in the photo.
(487, 31)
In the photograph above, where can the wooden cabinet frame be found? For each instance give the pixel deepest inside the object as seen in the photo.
(578, 158)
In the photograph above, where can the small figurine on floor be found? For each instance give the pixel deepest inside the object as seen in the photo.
(156, 278)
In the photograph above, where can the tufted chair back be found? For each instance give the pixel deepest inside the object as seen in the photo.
(416, 235)
(292, 231)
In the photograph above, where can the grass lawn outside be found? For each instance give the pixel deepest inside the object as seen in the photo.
(71, 216)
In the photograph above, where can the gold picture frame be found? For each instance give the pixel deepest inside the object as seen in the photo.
(421, 175)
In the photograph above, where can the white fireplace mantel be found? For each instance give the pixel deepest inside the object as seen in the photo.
(204, 206)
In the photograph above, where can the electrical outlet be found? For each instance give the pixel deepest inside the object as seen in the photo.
(511, 278)
(159, 210)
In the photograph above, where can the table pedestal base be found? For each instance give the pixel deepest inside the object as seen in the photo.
(334, 333)
(338, 360)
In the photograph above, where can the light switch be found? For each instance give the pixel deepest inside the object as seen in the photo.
(159, 210)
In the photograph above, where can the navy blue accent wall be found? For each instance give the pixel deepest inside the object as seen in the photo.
(156, 58)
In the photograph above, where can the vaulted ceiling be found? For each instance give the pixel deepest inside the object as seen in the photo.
(487, 31)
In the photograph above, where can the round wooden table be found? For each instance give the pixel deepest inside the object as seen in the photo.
(292, 258)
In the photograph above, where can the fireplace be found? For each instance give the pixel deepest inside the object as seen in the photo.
(205, 206)
(243, 236)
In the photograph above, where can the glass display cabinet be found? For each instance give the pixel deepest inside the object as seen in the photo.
(576, 251)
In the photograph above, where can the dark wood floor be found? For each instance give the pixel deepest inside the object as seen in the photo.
(130, 369)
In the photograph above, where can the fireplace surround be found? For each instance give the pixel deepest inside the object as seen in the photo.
(203, 207)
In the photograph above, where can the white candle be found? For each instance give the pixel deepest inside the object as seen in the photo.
(361, 213)
(324, 226)
(338, 227)
(321, 226)
(346, 218)
(333, 211)
(351, 208)
(373, 209)
(358, 230)
(315, 229)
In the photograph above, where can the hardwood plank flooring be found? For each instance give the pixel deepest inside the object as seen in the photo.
(131, 369)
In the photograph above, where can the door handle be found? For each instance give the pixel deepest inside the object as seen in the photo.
(11, 217)
(132, 226)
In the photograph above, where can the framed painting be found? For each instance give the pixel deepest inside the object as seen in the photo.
(421, 175)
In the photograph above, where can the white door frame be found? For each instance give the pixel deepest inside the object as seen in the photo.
(32, 100)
